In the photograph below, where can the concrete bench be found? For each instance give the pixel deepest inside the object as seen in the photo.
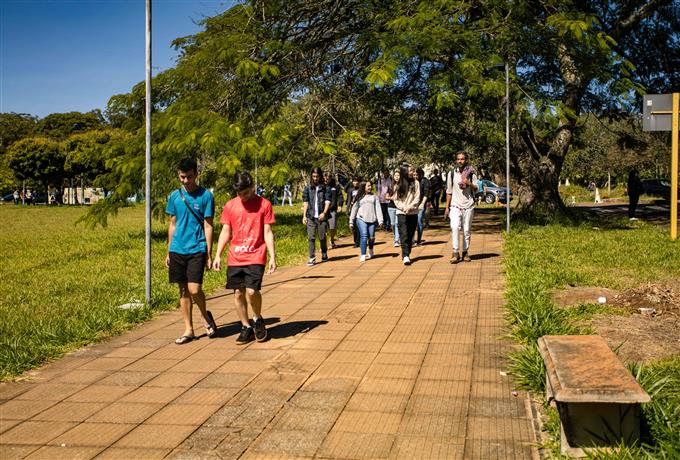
(596, 396)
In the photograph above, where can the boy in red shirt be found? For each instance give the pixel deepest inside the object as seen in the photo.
(247, 227)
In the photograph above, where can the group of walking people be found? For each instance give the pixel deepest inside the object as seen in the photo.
(247, 221)
(400, 206)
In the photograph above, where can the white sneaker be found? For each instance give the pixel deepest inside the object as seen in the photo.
(370, 254)
(362, 259)
(407, 261)
(396, 244)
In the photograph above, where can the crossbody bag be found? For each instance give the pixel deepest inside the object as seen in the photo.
(198, 218)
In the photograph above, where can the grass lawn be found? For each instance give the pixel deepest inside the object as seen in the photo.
(62, 282)
(612, 254)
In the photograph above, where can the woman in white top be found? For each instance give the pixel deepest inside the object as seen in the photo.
(368, 214)
(391, 209)
(407, 201)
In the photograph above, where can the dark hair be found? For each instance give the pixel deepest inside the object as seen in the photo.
(404, 183)
(463, 152)
(421, 173)
(242, 180)
(186, 165)
(318, 171)
(331, 182)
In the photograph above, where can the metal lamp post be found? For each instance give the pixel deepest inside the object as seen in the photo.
(148, 154)
(507, 145)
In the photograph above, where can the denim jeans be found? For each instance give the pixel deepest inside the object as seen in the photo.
(421, 224)
(392, 212)
(366, 234)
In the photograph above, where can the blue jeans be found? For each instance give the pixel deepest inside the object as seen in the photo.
(366, 234)
(421, 224)
(393, 219)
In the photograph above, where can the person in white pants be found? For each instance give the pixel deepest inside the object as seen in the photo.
(461, 186)
(287, 194)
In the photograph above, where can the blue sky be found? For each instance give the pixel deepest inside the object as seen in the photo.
(73, 55)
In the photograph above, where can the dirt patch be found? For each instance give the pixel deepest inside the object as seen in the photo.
(577, 295)
(659, 298)
(640, 338)
(646, 335)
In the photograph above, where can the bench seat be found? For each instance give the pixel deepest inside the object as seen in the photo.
(596, 396)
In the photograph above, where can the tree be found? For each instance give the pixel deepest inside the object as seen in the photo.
(86, 153)
(59, 126)
(15, 126)
(37, 159)
(359, 82)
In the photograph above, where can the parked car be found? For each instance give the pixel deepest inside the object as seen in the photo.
(657, 187)
(490, 191)
(38, 198)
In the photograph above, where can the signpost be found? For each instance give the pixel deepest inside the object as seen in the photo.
(660, 113)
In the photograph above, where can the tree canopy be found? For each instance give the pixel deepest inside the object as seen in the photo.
(287, 84)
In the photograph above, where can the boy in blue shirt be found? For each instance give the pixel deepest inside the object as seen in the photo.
(190, 237)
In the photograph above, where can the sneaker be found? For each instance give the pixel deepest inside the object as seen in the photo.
(260, 330)
(324, 257)
(632, 219)
(407, 261)
(396, 244)
(455, 258)
(311, 262)
(466, 257)
(370, 254)
(362, 259)
(245, 336)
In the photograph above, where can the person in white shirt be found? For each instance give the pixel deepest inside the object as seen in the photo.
(461, 186)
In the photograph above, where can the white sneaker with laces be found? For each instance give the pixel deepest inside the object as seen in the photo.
(362, 259)
(396, 244)
(407, 261)
(370, 254)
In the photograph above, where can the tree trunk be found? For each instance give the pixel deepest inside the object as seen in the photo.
(540, 161)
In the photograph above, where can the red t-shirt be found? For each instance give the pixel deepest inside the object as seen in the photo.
(247, 221)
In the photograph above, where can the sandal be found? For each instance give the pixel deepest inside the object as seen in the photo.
(211, 327)
(184, 339)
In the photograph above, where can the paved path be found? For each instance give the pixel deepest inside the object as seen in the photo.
(365, 361)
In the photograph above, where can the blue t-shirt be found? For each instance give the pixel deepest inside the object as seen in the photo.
(189, 236)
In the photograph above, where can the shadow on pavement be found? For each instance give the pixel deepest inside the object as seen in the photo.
(341, 257)
(433, 256)
(483, 256)
(281, 331)
(233, 328)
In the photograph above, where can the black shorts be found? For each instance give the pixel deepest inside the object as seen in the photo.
(187, 268)
(245, 276)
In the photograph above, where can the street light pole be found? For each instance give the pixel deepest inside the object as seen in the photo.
(507, 145)
(148, 154)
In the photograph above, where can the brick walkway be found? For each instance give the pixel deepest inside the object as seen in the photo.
(370, 361)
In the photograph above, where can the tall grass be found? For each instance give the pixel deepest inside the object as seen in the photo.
(613, 254)
(62, 283)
